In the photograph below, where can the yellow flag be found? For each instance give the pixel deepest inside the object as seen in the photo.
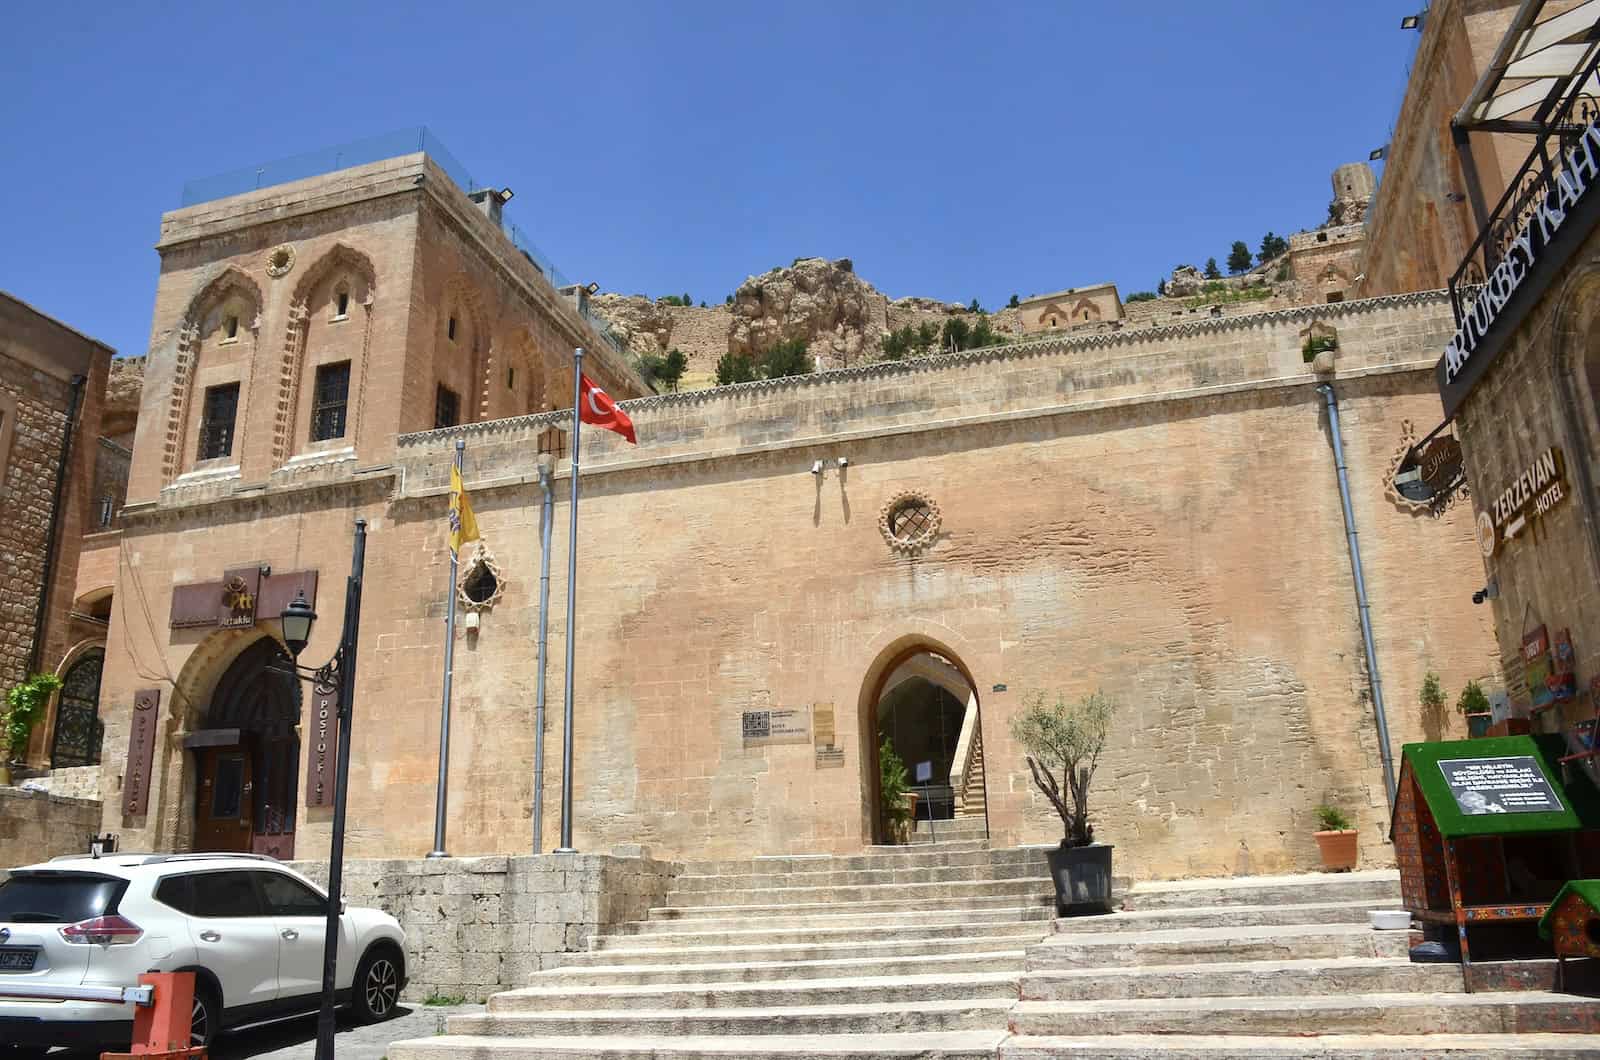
(463, 524)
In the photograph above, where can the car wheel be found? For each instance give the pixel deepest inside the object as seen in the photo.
(377, 987)
(207, 1018)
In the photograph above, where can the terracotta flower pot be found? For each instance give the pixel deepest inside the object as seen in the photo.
(1338, 850)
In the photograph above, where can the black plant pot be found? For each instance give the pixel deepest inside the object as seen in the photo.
(1083, 878)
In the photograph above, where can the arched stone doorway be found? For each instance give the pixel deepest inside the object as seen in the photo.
(921, 701)
(247, 755)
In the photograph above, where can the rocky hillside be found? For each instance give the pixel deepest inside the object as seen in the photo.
(840, 317)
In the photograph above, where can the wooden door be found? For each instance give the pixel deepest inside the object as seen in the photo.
(226, 793)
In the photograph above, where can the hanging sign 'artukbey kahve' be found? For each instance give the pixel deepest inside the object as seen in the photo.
(1540, 487)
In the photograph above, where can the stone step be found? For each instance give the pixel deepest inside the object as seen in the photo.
(1031, 931)
(1321, 1047)
(1019, 868)
(983, 888)
(1381, 886)
(879, 990)
(937, 903)
(1352, 912)
(974, 1014)
(878, 858)
(1214, 945)
(1353, 975)
(944, 843)
(997, 960)
(933, 942)
(953, 827)
(1038, 914)
(1405, 1013)
(939, 1045)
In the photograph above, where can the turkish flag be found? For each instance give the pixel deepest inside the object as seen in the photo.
(595, 406)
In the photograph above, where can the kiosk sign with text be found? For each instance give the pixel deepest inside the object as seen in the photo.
(1514, 784)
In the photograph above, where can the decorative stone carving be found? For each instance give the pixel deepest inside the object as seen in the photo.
(481, 585)
(280, 259)
(910, 522)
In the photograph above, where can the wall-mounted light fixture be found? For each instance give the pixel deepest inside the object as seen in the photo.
(1413, 21)
(816, 467)
(1378, 154)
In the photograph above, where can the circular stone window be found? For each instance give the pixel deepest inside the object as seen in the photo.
(280, 260)
(909, 522)
(481, 585)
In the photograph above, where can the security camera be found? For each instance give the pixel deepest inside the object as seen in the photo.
(1488, 592)
(844, 461)
(816, 467)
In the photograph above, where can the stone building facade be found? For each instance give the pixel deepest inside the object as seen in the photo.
(52, 382)
(1153, 512)
(1075, 306)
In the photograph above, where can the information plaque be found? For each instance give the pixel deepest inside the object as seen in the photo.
(1514, 784)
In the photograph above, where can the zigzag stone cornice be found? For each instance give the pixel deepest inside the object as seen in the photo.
(1011, 351)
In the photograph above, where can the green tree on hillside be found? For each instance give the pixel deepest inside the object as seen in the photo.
(1013, 303)
(735, 368)
(1239, 257)
(1272, 246)
(1212, 272)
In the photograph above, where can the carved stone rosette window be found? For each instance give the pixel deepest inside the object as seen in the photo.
(909, 522)
(280, 259)
(481, 584)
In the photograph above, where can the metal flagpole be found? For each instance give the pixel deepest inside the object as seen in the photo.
(441, 791)
(572, 600)
(547, 515)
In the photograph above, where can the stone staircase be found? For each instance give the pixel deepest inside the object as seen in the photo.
(971, 800)
(1267, 967)
(948, 952)
(912, 951)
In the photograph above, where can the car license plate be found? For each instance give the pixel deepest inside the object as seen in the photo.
(17, 958)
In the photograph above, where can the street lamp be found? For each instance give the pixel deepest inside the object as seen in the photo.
(334, 679)
(297, 619)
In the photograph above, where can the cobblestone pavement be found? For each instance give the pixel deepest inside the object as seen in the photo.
(296, 1039)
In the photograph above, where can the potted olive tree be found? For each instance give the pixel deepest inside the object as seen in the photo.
(1067, 738)
(1474, 706)
(25, 704)
(1337, 839)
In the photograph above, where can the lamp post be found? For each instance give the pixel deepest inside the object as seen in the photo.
(337, 674)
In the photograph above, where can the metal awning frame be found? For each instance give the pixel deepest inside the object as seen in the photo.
(1540, 58)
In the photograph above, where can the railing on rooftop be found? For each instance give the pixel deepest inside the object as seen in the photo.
(1534, 182)
(376, 149)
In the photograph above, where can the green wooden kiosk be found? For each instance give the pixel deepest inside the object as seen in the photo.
(1487, 832)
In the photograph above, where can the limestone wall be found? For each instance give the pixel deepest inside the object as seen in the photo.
(475, 926)
(1154, 512)
(35, 826)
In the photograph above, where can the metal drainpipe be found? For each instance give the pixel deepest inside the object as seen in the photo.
(1363, 608)
(55, 523)
(546, 517)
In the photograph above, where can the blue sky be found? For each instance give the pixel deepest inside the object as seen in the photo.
(953, 150)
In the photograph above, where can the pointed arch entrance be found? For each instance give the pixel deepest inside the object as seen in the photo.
(247, 755)
(920, 700)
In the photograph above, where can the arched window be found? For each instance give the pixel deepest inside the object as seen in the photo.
(76, 740)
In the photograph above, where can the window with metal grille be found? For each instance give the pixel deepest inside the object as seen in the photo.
(78, 731)
(216, 421)
(446, 408)
(330, 401)
(910, 518)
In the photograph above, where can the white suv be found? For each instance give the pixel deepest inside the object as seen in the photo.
(250, 929)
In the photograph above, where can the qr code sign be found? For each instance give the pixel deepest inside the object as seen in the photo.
(757, 724)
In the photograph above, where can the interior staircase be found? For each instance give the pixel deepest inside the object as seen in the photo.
(971, 800)
(949, 951)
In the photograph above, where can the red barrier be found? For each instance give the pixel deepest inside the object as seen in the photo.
(161, 1028)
